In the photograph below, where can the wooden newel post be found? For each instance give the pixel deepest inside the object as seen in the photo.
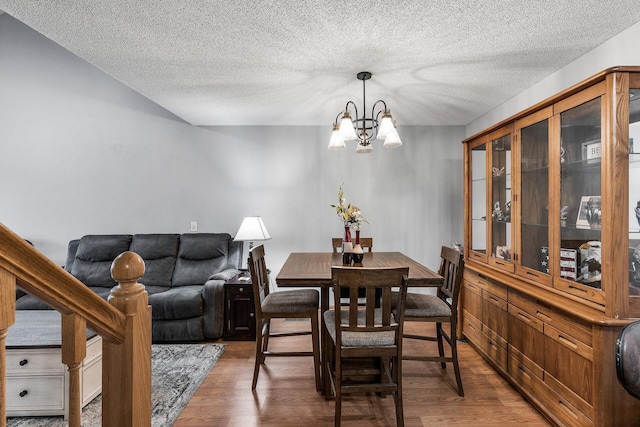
(126, 370)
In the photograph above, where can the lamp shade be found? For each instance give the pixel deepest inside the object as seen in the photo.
(252, 229)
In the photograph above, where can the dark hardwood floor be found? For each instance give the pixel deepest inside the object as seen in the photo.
(286, 396)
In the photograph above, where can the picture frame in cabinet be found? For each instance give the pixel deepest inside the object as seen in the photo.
(591, 151)
(503, 252)
(568, 264)
(587, 212)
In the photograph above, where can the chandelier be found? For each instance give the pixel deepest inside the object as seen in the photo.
(364, 129)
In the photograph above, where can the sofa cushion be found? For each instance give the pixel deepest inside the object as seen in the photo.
(200, 256)
(95, 253)
(177, 303)
(159, 252)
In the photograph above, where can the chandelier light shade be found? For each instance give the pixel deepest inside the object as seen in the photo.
(336, 142)
(380, 125)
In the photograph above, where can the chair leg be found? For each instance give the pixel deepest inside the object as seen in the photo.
(267, 334)
(259, 357)
(440, 343)
(397, 378)
(316, 348)
(326, 367)
(456, 368)
(338, 389)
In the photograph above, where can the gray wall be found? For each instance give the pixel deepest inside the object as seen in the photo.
(618, 51)
(80, 153)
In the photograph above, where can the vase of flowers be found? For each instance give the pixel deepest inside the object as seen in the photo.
(351, 216)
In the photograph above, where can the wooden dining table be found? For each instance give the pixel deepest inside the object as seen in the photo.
(313, 269)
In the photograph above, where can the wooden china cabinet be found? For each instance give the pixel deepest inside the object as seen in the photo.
(552, 247)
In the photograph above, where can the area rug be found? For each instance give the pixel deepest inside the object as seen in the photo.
(177, 370)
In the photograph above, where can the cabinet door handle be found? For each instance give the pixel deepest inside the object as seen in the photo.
(544, 316)
(23, 393)
(251, 314)
(567, 342)
(523, 317)
(23, 362)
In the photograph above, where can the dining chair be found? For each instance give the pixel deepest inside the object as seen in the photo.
(440, 308)
(299, 303)
(364, 348)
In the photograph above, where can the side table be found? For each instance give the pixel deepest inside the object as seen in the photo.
(239, 309)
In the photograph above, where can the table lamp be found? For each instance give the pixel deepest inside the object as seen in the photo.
(252, 229)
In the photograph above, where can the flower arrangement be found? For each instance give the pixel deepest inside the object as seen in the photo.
(348, 213)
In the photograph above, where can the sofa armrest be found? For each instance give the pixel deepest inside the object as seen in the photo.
(213, 296)
(224, 275)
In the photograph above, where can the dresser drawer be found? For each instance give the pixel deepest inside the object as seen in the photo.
(36, 361)
(46, 393)
(94, 350)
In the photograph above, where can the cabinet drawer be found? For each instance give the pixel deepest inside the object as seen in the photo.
(494, 351)
(474, 279)
(566, 324)
(526, 317)
(499, 291)
(495, 318)
(567, 395)
(36, 361)
(471, 327)
(522, 376)
(472, 299)
(560, 408)
(569, 342)
(518, 361)
(569, 361)
(42, 393)
(525, 335)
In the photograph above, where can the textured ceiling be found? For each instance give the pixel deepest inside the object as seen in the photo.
(294, 62)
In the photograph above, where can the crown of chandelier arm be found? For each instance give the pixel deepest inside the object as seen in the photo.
(380, 125)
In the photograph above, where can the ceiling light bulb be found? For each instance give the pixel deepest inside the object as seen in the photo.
(347, 131)
(336, 142)
(386, 124)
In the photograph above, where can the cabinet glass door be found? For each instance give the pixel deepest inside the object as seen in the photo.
(500, 191)
(534, 200)
(580, 198)
(478, 244)
(634, 193)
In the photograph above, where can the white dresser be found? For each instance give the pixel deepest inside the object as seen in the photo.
(37, 380)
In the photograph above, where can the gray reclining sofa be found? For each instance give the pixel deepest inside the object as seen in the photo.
(184, 276)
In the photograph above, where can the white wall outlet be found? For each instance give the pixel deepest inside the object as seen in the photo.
(194, 226)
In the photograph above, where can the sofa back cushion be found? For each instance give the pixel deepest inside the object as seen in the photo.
(200, 256)
(94, 255)
(159, 252)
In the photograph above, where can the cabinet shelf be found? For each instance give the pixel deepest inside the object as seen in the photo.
(531, 224)
(543, 169)
(592, 165)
